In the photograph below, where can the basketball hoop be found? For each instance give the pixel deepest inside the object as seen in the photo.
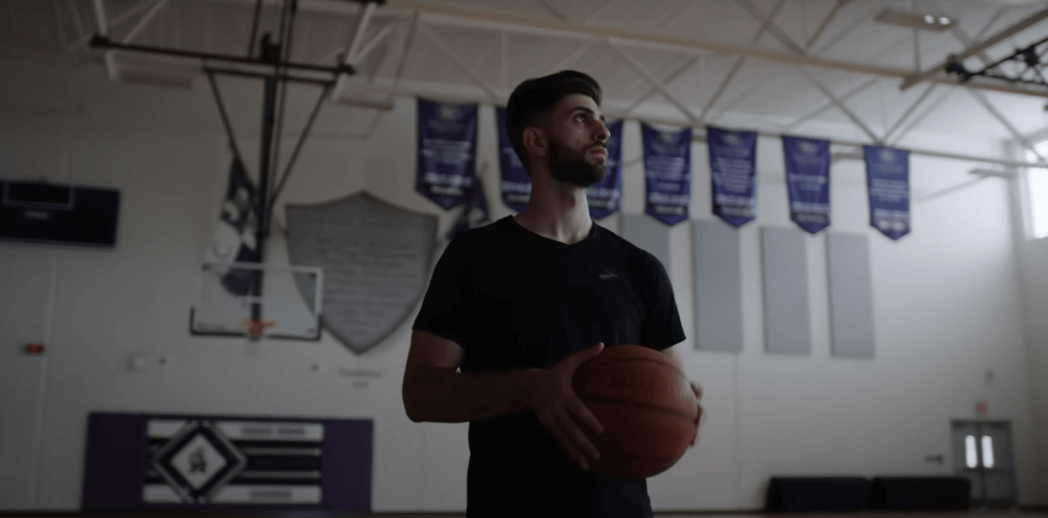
(253, 328)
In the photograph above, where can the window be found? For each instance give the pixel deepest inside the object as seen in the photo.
(971, 456)
(1037, 192)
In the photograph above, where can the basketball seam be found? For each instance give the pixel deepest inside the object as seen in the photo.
(600, 399)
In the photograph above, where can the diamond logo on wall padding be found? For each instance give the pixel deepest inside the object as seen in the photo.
(198, 461)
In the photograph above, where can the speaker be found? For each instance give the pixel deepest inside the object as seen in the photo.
(811, 494)
(39, 212)
(920, 493)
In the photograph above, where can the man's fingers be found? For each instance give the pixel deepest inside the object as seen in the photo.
(583, 414)
(564, 430)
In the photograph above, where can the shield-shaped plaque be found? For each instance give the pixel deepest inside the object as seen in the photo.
(376, 259)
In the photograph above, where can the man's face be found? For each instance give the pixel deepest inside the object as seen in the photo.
(578, 141)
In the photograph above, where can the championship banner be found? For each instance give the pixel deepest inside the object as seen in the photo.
(605, 196)
(516, 184)
(667, 173)
(733, 173)
(474, 213)
(808, 181)
(447, 149)
(888, 180)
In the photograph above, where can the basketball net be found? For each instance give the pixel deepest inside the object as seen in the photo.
(253, 328)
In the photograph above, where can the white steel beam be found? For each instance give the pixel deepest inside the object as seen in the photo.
(767, 21)
(593, 14)
(354, 43)
(654, 82)
(916, 121)
(766, 24)
(103, 30)
(840, 105)
(85, 36)
(720, 89)
(493, 97)
(146, 18)
(1008, 32)
(669, 79)
(451, 14)
(909, 111)
(829, 104)
(407, 46)
(573, 56)
(1041, 159)
(825, 23)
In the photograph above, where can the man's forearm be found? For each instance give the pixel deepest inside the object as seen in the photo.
(451, 397)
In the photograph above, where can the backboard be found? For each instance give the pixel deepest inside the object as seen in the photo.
(288, 307)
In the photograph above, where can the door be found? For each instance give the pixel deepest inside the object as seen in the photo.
(25, 295)
(982, 453)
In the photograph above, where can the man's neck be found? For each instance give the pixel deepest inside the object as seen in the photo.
(560, 216)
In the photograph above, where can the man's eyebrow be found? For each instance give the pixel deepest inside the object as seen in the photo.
(585, 109)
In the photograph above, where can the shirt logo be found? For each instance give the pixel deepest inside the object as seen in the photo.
(608, 275)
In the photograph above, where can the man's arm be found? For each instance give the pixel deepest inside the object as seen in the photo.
(434, 392)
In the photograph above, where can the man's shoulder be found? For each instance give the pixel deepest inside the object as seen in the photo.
(630, 251)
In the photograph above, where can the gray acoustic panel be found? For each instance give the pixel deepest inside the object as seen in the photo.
(718, 286)
(649, 234)
(851, 295)
(787, 327)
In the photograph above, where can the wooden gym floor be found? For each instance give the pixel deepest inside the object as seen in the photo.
(993, 513)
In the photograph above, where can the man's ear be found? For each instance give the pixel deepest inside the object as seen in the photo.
(535, 142)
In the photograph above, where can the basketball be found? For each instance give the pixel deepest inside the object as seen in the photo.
(646, 406)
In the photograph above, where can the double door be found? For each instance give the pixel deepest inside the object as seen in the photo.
(982, 453)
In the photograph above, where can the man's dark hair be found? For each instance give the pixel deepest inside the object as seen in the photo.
(534, 99)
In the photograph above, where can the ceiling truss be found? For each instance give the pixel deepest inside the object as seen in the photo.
(420, 18)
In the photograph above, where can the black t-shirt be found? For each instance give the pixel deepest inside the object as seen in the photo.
(513, 299)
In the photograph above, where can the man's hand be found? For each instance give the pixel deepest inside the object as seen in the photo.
(559, 409)
(697, 389)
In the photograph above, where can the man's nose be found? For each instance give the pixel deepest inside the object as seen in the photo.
(603, 134)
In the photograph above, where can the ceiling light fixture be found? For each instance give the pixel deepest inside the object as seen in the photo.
(926, 22)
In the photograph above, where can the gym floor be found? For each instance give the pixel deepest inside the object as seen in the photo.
(994, 513)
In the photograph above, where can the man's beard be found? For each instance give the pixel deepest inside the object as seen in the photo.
(574, 170)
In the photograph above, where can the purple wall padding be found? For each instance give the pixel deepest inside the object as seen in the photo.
(347, 465)
(116, 461)
(115, 465)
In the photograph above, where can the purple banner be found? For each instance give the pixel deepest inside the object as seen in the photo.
(447, 150)
(733, 174)
(888, 180)
(474, 213)
(605, 196)
(667, 173)
(516, 184)
(808, 181)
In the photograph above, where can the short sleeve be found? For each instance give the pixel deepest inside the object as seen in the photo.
(446, 304)
(662, 327)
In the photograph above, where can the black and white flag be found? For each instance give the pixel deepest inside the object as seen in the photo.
(234, 239)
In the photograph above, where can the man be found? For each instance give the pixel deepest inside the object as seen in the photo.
(518, 305)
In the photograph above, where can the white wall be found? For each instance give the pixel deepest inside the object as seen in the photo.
(946, 299)
(1032, 257)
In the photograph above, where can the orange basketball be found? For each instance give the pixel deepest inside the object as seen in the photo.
(646, 406)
